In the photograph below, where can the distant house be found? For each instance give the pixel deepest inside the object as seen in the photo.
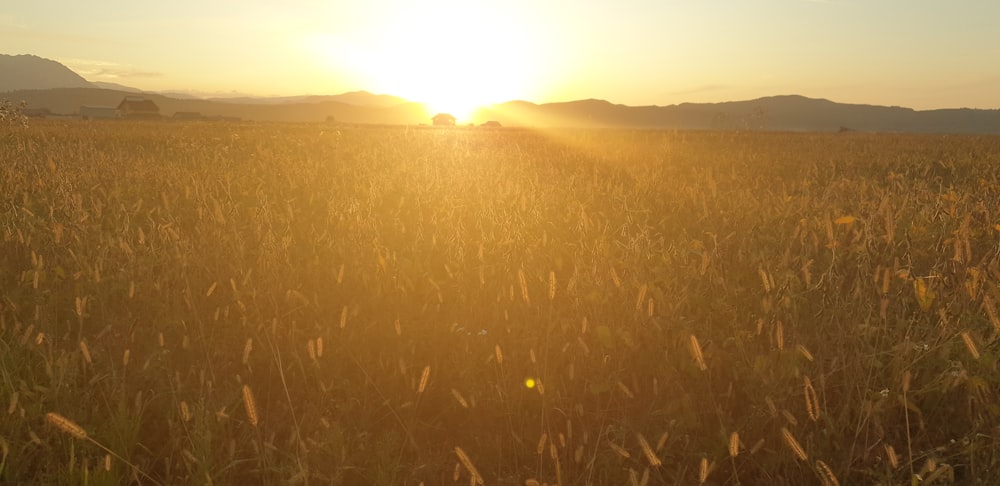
(98, 112)
(443, 120)
(492, 124)
(137, 107)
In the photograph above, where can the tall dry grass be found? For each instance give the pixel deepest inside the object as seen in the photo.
(391, 293)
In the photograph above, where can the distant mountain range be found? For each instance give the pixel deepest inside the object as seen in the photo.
(48, 85)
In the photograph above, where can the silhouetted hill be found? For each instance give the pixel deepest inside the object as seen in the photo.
(69, 100)
(787, 113)
(32, 72)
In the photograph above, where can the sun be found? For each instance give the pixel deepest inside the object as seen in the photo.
(451, 56)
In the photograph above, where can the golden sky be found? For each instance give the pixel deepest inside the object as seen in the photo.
(454, 54)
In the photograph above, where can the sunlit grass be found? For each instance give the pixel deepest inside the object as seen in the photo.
(232, 304)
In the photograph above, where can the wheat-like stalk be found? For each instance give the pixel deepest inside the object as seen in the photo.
(523, 283)
(66, 425)
(771, 407)
(695, 349)
(621, 451)
(890, 454)
(970, 345)
(72, 428)
(458, 397)
(648, 451)
(343, 317)
(812, 399)
(734, 444)
(641, 297)
(185, 411)
(662, 441)
(703, 470)
(552, 285)
(829, 479)
(464, 458)
(789, 417)
(779, 336)
(625, 390)
(804, 352)
(765, 280)
(499, 354)
(250, 405)
(86, 353)
(424, 376)
(541, 443)
(247, 349)
(793, 444)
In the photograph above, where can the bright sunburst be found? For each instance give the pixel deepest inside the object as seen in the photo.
(453, 57)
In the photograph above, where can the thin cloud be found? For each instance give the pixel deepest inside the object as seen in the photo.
(92, 68)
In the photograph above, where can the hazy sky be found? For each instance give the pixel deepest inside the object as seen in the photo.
(917, 53)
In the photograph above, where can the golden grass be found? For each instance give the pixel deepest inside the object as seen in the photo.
(829, 479)
(250, 406)
(812, 399)
(793, 444)
(173, 247)
(66, 425)
(695, 349)
(464, 459)
(647, 451)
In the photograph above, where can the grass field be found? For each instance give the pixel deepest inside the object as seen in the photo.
(245, 304)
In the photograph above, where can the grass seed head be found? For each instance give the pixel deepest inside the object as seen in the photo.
(66, 425)
(464, 459)
(250, 405)
(970, 345)
(812, 399)
(695, 349)
(424, 376)
(703, 470)
(829, 479)
(891, 456)
(793, 444)
(647, 451)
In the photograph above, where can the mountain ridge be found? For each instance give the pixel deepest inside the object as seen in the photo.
(788, 112)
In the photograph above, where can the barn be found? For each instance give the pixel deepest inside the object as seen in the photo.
(137, 107)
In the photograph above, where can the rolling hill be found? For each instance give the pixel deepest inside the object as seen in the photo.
(47, 84)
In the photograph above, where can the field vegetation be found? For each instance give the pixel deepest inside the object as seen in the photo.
(308, 304)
